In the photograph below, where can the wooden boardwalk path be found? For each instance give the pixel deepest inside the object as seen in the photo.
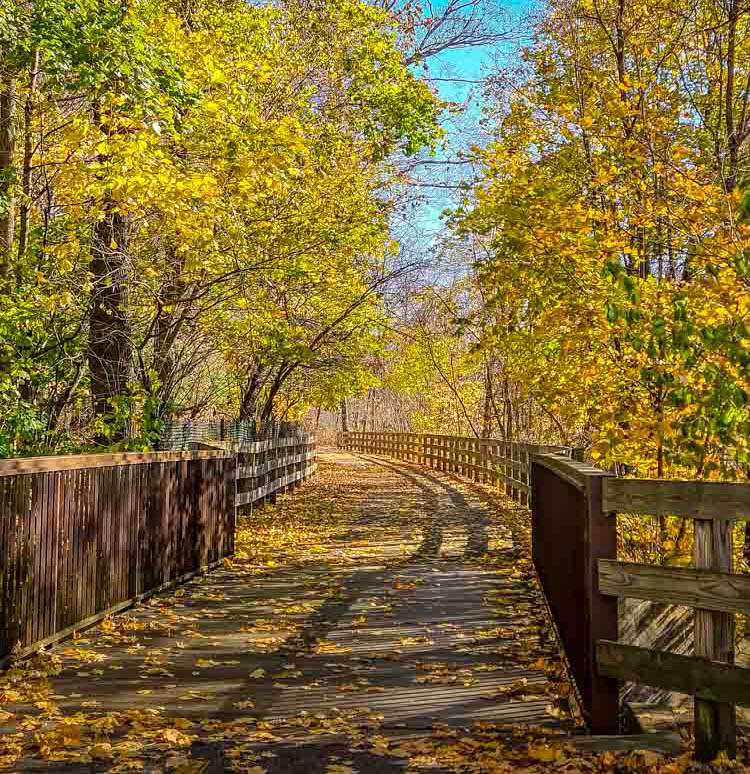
(365, 621)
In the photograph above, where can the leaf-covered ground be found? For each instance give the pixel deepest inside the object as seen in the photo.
(383, 618)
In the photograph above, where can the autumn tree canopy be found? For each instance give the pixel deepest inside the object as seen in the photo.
(212, 207)
(194, 205)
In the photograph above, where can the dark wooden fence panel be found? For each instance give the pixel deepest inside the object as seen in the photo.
(266, 468)
(83, 536)
(569, 535)
(95, 535)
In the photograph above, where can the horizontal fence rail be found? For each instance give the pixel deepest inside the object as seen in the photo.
(84, 536)
(487, 460)
(181, 435)
(574, 516)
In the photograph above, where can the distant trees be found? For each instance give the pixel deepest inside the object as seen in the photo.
(434, 375)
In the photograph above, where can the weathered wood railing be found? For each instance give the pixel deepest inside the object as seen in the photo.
(504, 464)
(84, 536)
(265, 468)
(575, 552)
(570, 532)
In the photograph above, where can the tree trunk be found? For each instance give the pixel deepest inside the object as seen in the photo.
(733, 143)
(28, 152)
(371, 409)
(488, 401)
(276, 385)
(110, 346)
(163, 360)
(508, 413)
(249, 396)
(344, 416)
(58, 403)
(7, 171)
(174, 309)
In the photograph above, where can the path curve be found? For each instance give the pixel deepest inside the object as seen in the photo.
(379, 607)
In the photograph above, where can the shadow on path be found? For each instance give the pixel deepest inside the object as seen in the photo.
(290, 667)
(475, 519)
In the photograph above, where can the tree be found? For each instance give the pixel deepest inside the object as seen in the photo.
(600, 203)
(202, 196)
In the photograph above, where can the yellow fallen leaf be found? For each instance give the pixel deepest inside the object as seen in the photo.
(101, 751)
(104, 725)
(134, 764)
(71, 735)
(191, 767)
(175, 737)
(543, 754)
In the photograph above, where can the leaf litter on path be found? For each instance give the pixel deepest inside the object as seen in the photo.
(340, 592)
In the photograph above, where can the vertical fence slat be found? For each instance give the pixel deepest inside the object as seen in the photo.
(47, 572)
(115, 531)
(72, 569)
(62, 548)
(92, 527)
(715, 722)
(5, 566)
(50, 538)
(38, 512)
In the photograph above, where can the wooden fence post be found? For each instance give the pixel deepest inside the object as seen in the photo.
(600, 611)
(715, 722)
(495, 471)
(508, 468)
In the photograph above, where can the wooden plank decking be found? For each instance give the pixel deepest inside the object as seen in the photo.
(396, 625)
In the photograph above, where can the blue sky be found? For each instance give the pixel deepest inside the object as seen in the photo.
(471, 64)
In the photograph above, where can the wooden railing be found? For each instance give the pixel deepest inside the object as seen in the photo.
(266, 467)
(575, 552)
(85, 536)
(504, 464)
(574, 544)
(570, 532)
